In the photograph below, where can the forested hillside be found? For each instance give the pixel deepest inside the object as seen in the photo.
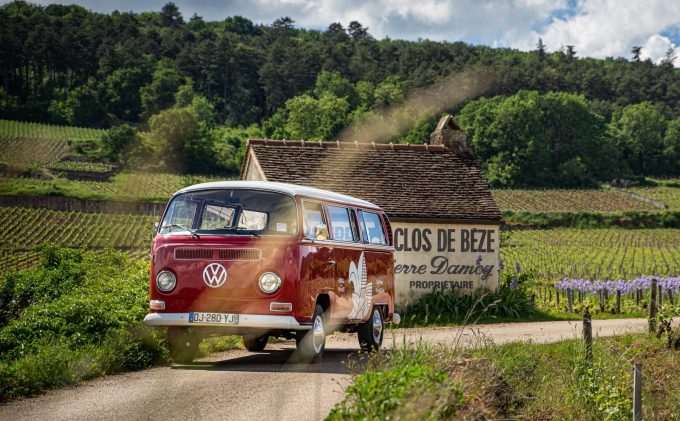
(189, 90)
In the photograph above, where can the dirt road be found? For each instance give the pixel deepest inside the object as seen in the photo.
(237, 385)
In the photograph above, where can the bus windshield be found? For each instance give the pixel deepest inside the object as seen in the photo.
(231, 212)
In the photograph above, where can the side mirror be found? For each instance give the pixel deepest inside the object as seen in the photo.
(321, 232)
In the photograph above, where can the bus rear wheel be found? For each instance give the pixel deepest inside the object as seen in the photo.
(255, 343)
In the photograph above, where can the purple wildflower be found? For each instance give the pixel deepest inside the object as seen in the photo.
(501, 265)
(514, 282)
(518, 267)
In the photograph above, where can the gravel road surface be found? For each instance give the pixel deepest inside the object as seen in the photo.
(238, 385)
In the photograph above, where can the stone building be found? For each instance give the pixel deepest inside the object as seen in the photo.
(444, 219)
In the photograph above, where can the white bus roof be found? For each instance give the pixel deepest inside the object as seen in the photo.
(290, 189)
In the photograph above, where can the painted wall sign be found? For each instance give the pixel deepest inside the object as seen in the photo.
(445, 257)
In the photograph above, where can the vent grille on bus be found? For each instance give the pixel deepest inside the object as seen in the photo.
(239, 254)
(219, 254)
(193, 254)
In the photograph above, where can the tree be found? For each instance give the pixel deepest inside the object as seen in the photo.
(357, 31)
(204, 111)
(533, 139)
(671, 147)
(122, 93)
(335, 28)
(185, 94)
(388, 92)
(540, 49)
(636, 51)
(366, 94)
(639, 133)
(240, 25)
(160, 93)
(171, 135)
(315, 119)
(285, 23)
(117, 142)
(171, 16)
(669, 58)
(333, 83)
(80, 108)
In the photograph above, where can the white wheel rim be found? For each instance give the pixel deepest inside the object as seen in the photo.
(318, 334)
(377, 326)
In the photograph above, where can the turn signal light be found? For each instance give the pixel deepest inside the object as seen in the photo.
(280, 306)
(157, 305)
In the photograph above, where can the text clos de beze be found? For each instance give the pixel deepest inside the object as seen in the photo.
(475, 240)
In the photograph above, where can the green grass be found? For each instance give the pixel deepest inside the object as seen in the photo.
(519, 380)
(399, 388)
(219, 344)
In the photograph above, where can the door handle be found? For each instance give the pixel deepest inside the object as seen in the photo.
(331, 261)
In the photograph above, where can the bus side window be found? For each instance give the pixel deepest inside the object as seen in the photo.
(342, 220)
(313, 216)
(372, 228)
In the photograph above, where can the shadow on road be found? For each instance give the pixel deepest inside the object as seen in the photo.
(283, 360)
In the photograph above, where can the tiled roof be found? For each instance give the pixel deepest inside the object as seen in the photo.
(408, 181)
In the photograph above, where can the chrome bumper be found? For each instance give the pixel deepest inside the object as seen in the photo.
(254, 321)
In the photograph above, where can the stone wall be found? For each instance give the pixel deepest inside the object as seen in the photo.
(82, 205)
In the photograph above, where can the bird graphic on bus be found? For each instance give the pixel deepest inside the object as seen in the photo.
(362, 290)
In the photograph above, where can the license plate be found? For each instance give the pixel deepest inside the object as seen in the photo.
(213, 318)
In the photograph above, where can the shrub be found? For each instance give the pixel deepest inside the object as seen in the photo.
(78, 315)
(511, 300)
(400, 392)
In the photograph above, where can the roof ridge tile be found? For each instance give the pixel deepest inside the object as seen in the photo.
(337, 144)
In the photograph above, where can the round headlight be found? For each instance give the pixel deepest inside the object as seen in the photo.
(166, 281)
(269, 282)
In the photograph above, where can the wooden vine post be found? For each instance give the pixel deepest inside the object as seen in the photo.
(637, 392)
(652, 307)
(618, 301)
(570, 300)
(588, 335)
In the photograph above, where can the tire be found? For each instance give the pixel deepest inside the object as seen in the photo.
(371, 332)
(310, 344)
(255, 343)
(183, 345)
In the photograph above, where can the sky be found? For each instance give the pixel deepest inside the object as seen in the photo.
(596, 28)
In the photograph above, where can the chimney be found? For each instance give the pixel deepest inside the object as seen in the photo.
(450, 135)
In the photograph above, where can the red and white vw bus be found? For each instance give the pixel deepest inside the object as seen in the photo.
(263, 259)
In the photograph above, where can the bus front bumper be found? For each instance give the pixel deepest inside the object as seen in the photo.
(245, 321)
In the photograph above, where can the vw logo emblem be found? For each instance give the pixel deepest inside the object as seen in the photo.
(214, 275)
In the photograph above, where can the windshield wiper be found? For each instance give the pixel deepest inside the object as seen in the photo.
(186, 227)
(247, 231)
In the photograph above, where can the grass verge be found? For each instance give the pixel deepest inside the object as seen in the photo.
(78, 315)
(516, 380)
